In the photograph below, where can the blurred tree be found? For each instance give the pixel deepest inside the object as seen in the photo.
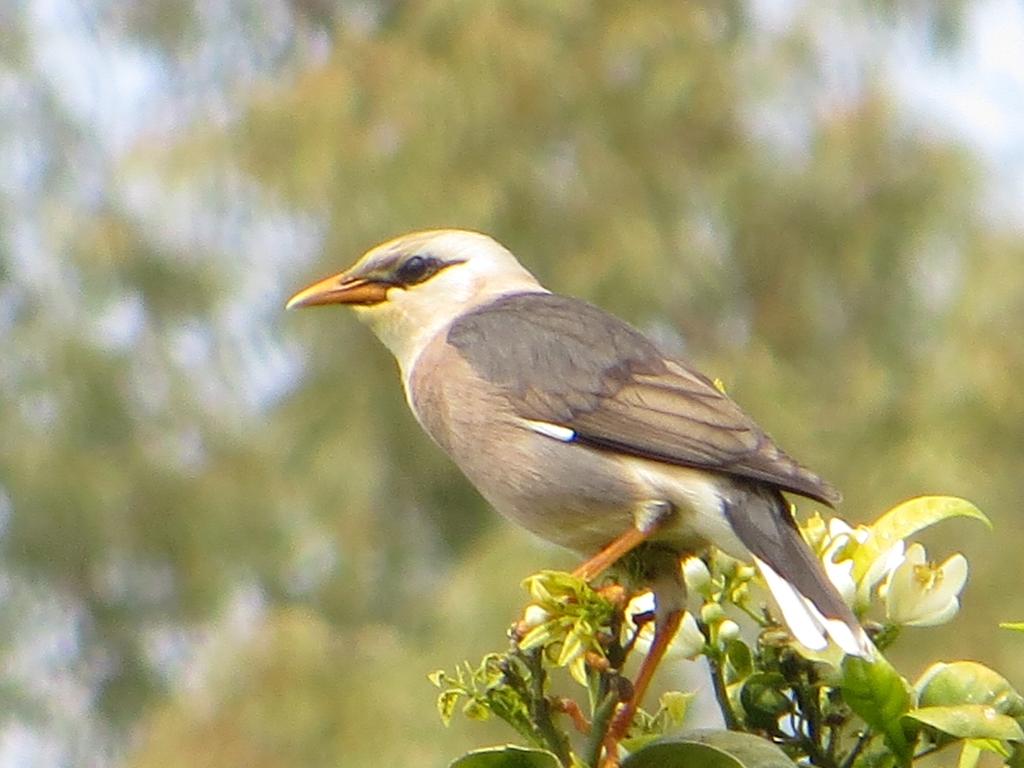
(183, 463)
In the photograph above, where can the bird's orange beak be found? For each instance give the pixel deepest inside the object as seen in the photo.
(341, 289)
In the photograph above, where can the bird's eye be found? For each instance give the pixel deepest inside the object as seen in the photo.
(416, 269)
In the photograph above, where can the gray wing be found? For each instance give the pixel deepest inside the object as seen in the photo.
(564, 361)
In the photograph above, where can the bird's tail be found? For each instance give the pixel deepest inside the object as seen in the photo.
(811, 605)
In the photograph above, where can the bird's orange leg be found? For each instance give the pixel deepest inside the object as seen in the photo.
(664, 630)
(603, 560)
(649, 517)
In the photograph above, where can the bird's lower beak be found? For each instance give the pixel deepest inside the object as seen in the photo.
(340, 289)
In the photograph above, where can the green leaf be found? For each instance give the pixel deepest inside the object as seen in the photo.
(967, 682)
(739, 661)
(536, 637)
(572, 647)
(1016, 626)
(709, 749)
(915, 514)
(672, 709)
(676, 704)
(1016, 758)
(682, 754)
(578, 670)
(506, 757)
(876, 692)
(762, 699)
(446, 702)
(969, 721)
(475, 709)
(878, 755)
(905, 519)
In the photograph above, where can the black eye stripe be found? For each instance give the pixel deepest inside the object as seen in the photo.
(416, 269)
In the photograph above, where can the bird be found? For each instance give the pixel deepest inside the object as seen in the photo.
(573, 424)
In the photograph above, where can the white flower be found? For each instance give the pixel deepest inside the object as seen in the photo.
(843, 545)
(840, 572)
(838, 528)
(688, 642)
(921, 594)
(880, 571)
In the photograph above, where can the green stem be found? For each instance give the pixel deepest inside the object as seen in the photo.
(807, 699)
(515, 681)
(830, 745)
(721, 694)
(758, 617)
(599, 726)
(540, 710)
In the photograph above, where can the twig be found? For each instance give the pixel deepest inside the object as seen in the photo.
(759, 618)
(569, 707)
(540, 709)
(721, 694)
(811, 715)
(599, 726)
(831, 743)
(862, 741)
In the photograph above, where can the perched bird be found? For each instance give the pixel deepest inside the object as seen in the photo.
(574, 425)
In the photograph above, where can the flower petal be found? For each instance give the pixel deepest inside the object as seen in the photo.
(941, 616)
(921, 594)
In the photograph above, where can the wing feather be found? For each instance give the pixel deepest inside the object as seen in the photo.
(566, 362)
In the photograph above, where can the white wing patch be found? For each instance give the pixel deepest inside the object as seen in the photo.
(554, 431)
(807, 623)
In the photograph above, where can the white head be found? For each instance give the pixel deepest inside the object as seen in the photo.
(410, 288)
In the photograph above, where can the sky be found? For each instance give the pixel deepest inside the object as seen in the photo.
(976, 95)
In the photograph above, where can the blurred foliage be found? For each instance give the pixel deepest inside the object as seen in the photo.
(220, 528)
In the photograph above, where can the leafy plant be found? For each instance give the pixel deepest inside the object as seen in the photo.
(782, 703)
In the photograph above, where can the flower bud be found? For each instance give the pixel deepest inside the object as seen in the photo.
(728, 630)
(711, 613)
(533, 616)
(697, 576)
(745, 573)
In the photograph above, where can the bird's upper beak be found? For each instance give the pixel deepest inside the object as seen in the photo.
(342, 288)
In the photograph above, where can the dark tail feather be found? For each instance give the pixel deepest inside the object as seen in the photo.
(811, 605)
